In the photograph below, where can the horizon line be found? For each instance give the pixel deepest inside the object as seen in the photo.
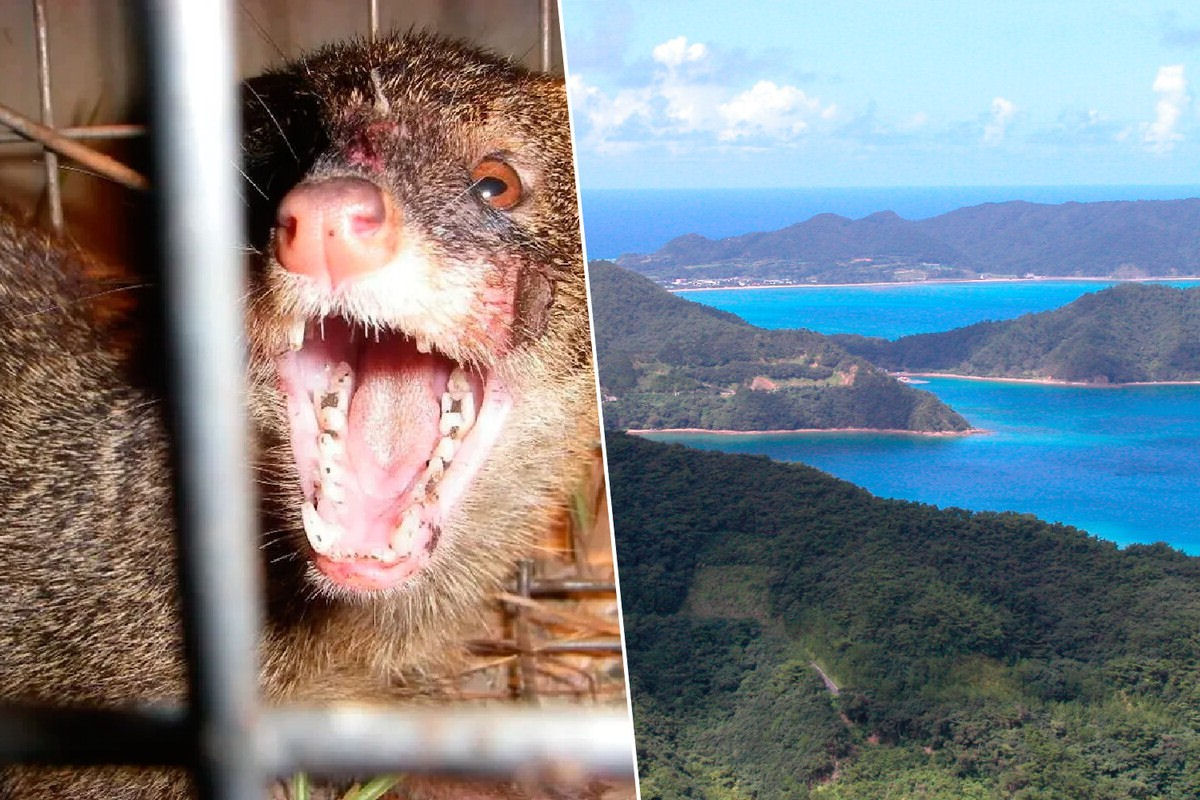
(891, 187)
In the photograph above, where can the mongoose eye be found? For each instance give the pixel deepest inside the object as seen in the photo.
(497, 183)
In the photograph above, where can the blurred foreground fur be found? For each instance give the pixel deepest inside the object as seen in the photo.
(471, 288)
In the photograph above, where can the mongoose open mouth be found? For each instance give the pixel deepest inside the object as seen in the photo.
(387, 434)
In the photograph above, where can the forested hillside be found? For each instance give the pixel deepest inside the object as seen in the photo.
(978, 656)
(666, 362)
(1124, 334)
(1110, 239)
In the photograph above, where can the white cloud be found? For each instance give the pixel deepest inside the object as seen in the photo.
(677, 51)
(1171, 87)
(683, 105)
(604, 113)
(767, 108)
(691, 107)
(1002, 113)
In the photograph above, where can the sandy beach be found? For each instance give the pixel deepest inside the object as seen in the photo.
(726, 432)
(1040, 381)
(1038, 279)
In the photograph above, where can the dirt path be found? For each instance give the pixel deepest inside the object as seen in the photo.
(829, 684)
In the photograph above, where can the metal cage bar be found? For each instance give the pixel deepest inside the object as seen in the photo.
(83, 132)
(196, 138)
(53, 189)
(547, 31)
(487, 742)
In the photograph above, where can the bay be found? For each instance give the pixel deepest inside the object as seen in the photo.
(1122, 463)
(1119, 462)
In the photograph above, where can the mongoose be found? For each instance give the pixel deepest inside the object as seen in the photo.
(420, 379)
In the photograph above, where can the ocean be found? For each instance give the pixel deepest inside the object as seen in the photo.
(1121, 463)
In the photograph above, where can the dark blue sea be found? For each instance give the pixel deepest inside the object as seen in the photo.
(1121, 463)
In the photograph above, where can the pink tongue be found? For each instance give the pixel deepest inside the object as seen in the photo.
(394, 413)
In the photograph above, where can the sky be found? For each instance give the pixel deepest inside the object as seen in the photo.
(839, 93)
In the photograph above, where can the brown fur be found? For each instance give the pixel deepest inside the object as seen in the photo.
(87, 562)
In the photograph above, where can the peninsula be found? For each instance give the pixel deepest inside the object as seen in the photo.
(669, 363)
(1130, 333)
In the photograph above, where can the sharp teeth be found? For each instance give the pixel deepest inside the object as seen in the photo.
(423, 345)
(458, 384)
(331, 488)
(333, 403)
(342, 377)
(331, 419)
(433, 474)
(330, 447)
(445, 450)
(387, 555)
(296, 333)
(467, 409)
(321, 535)
(448, 403)
(405, 535)
(450, 423)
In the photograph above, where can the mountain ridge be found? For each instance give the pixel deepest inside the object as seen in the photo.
(1109, 239)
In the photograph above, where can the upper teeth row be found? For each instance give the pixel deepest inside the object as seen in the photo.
(298, 329)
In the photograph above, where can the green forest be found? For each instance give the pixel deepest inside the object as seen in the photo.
(666, 362)
(1128, 333)
(975, 655)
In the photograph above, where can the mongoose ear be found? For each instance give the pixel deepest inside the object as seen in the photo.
(535, 296)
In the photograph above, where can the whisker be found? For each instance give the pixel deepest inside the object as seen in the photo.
(262, 31)
(78, 300)
(278, 127)
(252, 183)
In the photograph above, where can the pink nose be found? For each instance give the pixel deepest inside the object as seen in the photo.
(336, 230)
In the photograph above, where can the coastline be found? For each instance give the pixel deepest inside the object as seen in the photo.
(876, 284)
(779, 431)
(1040, 381)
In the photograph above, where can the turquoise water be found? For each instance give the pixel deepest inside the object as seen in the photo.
(896, 310)
(1121, 463)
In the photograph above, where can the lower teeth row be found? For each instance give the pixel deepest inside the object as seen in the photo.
(324, 536)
